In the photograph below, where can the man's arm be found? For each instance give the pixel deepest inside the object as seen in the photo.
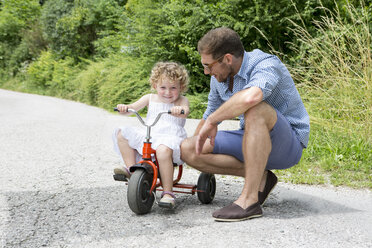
(235, 106)
(238, 104)
(197, 130)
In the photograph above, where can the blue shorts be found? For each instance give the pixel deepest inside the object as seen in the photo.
(286, 148)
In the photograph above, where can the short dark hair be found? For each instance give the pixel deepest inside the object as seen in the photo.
(220, 41)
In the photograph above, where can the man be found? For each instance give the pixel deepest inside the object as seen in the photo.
(274, 123)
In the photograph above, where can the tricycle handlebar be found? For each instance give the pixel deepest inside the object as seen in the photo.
(156, 119)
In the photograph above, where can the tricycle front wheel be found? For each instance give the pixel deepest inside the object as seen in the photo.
(140, 200)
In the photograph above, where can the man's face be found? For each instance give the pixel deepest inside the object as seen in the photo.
(215, 67)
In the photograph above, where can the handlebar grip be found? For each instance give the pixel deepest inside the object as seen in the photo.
(128, 110)
(116, 109)
(182, 112)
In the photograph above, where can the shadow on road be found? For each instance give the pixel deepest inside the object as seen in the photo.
(289, 204)
(43, 218)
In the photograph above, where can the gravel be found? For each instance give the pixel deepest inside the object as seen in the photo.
(56, 162)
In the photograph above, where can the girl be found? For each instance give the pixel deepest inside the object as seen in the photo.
(170, 80)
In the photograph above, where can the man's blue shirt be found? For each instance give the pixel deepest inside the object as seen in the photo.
(268, 73)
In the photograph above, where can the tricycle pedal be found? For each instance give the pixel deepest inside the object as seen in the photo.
(120, 177)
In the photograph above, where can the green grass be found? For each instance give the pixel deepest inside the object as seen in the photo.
(334, 158)
(334, 75)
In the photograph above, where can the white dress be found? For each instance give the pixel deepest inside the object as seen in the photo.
(168, 131)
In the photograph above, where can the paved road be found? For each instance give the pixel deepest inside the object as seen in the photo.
(57, 190)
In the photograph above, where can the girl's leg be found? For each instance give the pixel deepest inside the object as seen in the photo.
(164, 156)
(127, 153)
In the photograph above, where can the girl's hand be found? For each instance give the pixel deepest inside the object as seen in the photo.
(176, 111)
(123, 109)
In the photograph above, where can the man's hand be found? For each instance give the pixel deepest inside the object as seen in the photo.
(208, 130)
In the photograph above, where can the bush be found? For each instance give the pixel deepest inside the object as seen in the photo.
(34, 40)
(117, 79)
(63, 83)
(176, 26)
(40, 72)
(16, 16)
(90, 79)
(198, 104)
(73, 26)
(52, 76)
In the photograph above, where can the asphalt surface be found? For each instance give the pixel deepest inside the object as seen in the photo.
(56, 162)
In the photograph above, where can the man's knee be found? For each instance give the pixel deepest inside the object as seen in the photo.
(188, 149)
(261, 114)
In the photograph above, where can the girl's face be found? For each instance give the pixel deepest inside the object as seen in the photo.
(168, 91)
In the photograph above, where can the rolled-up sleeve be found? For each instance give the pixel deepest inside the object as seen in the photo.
(265, 76)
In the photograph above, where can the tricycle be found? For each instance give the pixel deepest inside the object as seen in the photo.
(145, 178)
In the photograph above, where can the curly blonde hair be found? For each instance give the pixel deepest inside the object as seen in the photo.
(173, 71)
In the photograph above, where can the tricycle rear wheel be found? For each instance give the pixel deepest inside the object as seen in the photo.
(140, 200)
(206, 187)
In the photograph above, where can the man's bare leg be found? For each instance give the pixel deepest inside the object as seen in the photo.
(214, 163)
(256, 149)
(209, 162)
